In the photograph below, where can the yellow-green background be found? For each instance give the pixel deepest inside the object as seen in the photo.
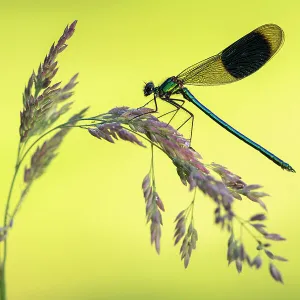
(81, 233)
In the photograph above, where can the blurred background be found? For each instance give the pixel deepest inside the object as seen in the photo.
(82, 233)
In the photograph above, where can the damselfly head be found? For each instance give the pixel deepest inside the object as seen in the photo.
(149, 88)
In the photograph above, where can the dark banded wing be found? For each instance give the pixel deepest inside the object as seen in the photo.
(239, 60)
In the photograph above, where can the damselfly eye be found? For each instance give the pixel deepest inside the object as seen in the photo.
(149, 88)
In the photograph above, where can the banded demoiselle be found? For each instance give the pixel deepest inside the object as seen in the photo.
(237, 61)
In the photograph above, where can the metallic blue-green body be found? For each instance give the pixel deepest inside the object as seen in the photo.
(171, 86)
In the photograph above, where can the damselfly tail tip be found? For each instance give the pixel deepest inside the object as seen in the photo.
(290, 169)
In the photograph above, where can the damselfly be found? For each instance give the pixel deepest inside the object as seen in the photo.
(239, 60)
